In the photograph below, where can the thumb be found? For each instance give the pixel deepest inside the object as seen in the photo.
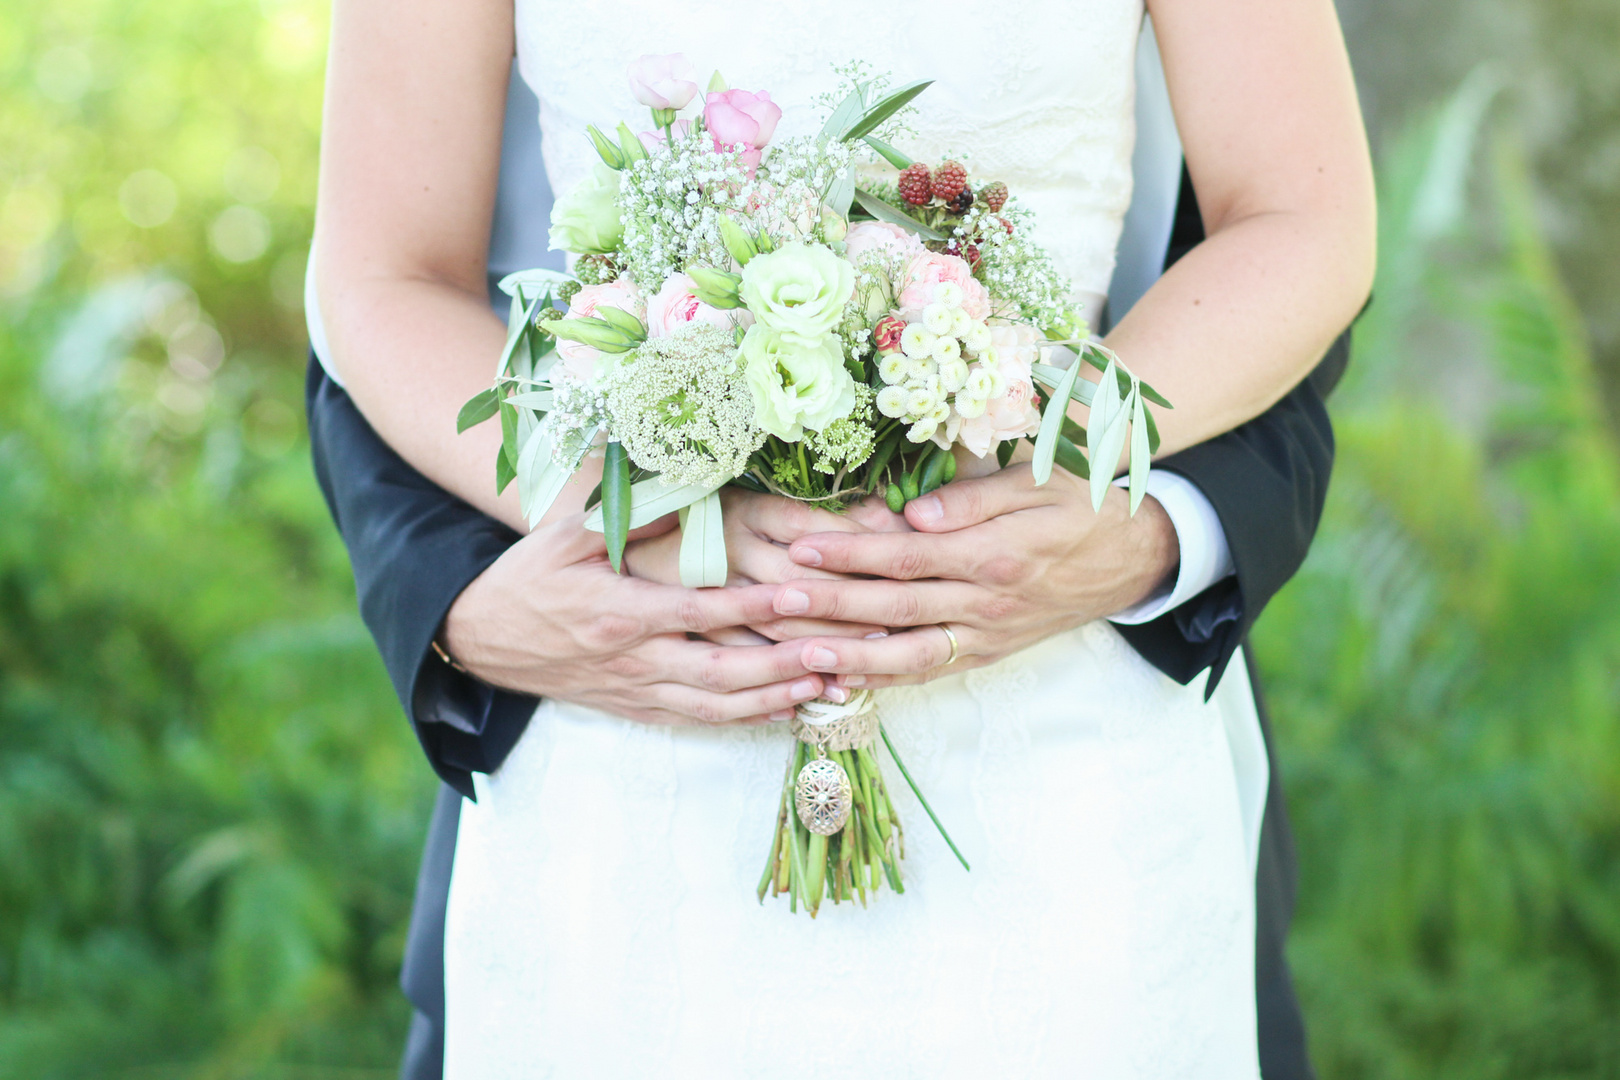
(962, 504)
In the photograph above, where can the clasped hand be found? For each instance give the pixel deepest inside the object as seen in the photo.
(818, 602)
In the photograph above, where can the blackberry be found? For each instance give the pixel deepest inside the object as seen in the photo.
(914, 184)
(963, 201)
(949, 180)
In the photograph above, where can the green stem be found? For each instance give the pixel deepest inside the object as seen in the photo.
(920, 798)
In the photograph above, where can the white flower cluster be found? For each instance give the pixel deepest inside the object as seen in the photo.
(945, 372)
(1018, 272)
(579, 409)
(672, 202)
(796, 176)
(681, 408)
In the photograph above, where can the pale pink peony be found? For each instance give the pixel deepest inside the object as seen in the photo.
(576, 358)
(1013, 415)
(742, 120)
(663, 82)
(674, 306)
(929, 269)
(882, 237)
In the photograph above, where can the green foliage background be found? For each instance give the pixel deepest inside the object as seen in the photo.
(211, 810)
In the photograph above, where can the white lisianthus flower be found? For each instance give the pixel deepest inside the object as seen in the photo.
(586, 219)
(894, 368)
(915, 340)
(937, 318)
(953, 375)
(891, 401)
(962, 323)
(946, 349)
(796, 385)
(799, 290)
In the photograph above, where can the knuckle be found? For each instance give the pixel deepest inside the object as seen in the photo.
(1002, 569)
(1000, 606)
(921, 658)
(712, 673)
(905, 609)
(705, 711)
(908, 563)
(626, 666)
(690, 615)
(609, 632)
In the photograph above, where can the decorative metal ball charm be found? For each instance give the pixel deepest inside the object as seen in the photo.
(823, 796)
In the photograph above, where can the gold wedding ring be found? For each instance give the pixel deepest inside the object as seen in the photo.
(954, 646)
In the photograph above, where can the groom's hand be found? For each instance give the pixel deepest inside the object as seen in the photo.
(1004, 563)
(551, 618)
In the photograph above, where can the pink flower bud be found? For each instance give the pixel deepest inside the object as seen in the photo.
(886, 334)
(738, 117)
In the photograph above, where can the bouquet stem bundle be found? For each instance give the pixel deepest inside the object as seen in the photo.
(849, 864)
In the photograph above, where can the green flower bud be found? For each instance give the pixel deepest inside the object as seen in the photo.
(611, 156)
(717, 288)
(737, 241)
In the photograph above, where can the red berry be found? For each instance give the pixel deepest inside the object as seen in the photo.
(972, 255)
(1005, 224)
(994, 196)
(950, 179)
(914, 184)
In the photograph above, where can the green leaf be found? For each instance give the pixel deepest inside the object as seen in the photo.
(842, 192)
(1106, 434)
(1153, 395)
(515, 335)
(1152, 428)
(843, 116)
(509, 436)
(886, 108)
(1004, 451)
(887, 152)
(1141, 456)
(1070, 457)
(532, 281)
(610, 154)
(540, 400)
(1052, 425)
(1074, 432)
(703, 543)
(505, 472)
(1048, 375)
(652, 499)
(480, 407)
(884, 212)
(616, 499)
(933, 474)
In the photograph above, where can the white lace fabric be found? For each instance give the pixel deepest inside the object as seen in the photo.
(603, 920)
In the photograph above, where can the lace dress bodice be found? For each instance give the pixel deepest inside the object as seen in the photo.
(1040, 95)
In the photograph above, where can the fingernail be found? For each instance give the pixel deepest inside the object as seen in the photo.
(806, 556)
(822, 658)
(803, 690)
(837, 694)
(877, 634)
(792, 602)
(853, 680)
(928, 509)
(782, 716)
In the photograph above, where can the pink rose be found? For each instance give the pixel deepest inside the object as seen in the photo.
(663, 82)
(929, 269)
(577, 358)
(882, 237)
(654, 140)
(1013, 415)
(741, 118)
(674, 306)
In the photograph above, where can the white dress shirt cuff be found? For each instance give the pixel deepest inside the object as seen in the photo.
(1205, 555)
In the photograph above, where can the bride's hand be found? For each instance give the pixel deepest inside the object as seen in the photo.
(551, 618)
(1003, 562)
(758, 530)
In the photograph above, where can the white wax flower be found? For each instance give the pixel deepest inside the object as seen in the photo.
(948, 293)
(894, 368)
(953, 375)
(891, 401)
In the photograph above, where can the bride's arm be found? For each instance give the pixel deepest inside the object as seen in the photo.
(1267, 112)
(410, 151)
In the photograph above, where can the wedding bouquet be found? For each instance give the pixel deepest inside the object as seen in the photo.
(816, 317)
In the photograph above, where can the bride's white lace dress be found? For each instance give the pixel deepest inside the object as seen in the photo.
(602, 919)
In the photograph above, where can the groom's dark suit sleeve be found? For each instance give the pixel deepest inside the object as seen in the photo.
(413, 547)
